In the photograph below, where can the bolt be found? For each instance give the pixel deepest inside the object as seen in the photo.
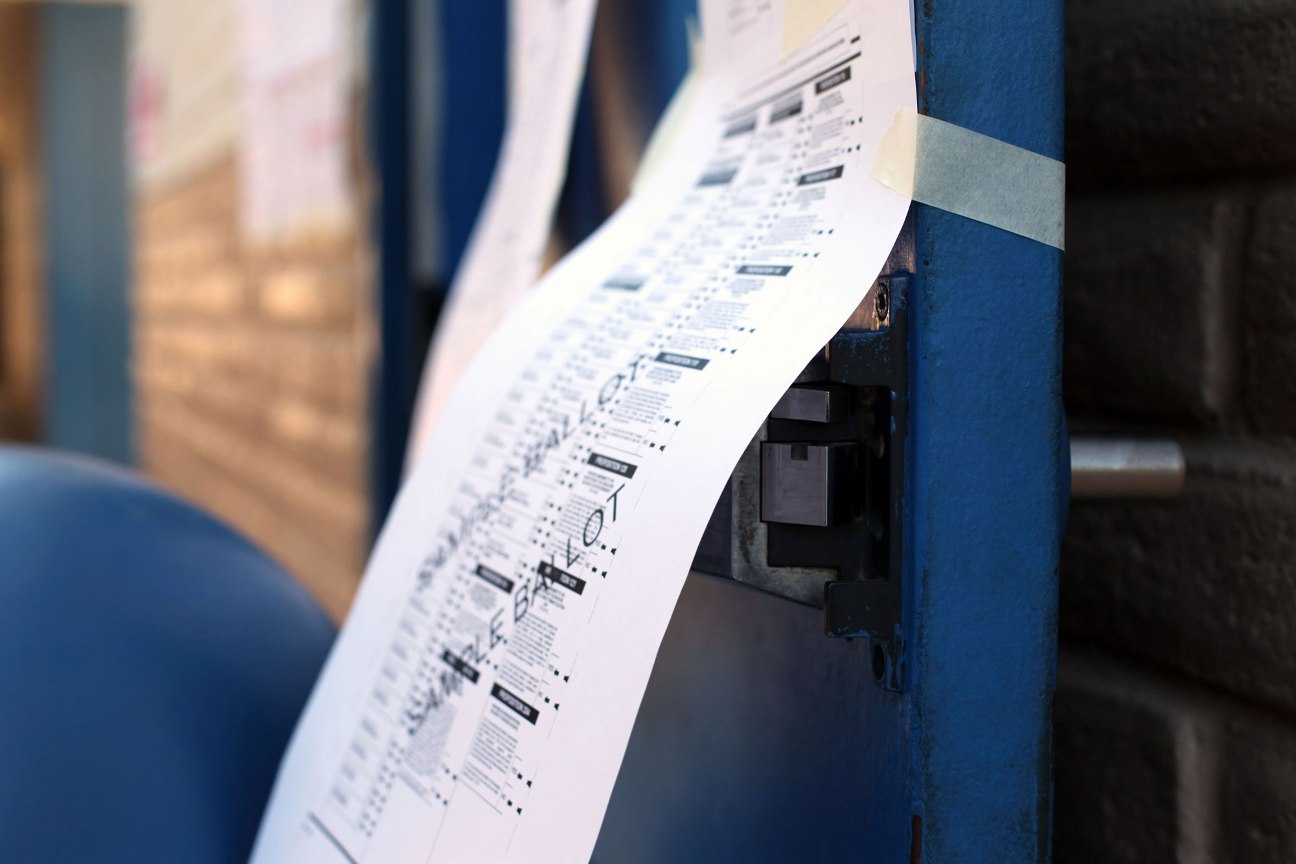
(882, 301)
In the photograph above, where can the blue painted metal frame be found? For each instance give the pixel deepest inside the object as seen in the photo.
(987, 443)
(394, 378)
(86, 229)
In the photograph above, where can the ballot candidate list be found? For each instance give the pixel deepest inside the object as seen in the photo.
(490, 636)
(480, 698)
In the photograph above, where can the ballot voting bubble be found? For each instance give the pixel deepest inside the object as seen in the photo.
(478, 701)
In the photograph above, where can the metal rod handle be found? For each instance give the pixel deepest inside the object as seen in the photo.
(1109, 467)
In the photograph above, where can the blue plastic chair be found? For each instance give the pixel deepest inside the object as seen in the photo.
(152, 666)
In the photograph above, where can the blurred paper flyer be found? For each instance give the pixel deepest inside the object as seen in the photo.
(296, 128)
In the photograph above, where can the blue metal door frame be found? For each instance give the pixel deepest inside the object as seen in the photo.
(988, 475)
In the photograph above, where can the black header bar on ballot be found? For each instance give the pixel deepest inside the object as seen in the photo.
(574, 584)
(841, 76)
(624, 284)
(782, 112)
(499, 580)
(741, 127)
(718, 177)
(515, 704)
(458, 664)
(764, 270)
(616, 466)
(820, 176)
(672, 359)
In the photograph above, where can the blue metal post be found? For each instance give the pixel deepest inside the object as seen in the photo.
(393, 390)
(986, 447)
(86, 228)
(471, 52)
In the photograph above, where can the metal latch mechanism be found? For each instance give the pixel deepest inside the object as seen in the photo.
(814, 511)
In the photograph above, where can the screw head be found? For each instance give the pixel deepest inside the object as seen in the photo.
(882, 301)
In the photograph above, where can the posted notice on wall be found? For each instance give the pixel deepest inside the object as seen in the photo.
(295, 155)
(478, 701)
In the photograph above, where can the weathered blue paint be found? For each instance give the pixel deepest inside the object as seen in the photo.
(986, 443)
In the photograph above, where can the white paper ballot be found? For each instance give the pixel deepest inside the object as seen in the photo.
(477, 704)
(548, 43)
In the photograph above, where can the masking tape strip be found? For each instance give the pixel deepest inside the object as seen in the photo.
(946, 166)
(803, 18)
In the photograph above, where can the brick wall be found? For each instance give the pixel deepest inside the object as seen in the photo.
(250, 370)
(251, 354)
(1176, 706)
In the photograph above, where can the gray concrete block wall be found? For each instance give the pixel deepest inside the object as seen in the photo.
(1134, 763)
(1153, 767)
(1161, 89)
(1176, 707)
(1165, 353)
